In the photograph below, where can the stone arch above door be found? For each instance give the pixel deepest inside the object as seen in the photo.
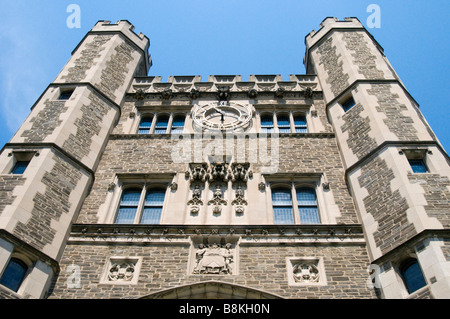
(212, 290)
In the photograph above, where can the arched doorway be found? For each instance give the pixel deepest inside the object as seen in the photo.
(212, 290)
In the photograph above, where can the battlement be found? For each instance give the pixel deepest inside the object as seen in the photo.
(124, 27)
(235, 83)
(328, 24)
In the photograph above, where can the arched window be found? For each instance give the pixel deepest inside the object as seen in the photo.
(267, 123)
(307, 206)
(282, 206)
(412, 275)
(162, 121)
(300, 124)
(128, 206)
(284, 125)
(178, 124)
(145, 125)
(14, 274)
(154, 201)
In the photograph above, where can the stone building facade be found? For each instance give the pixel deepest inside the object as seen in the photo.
(329, 184)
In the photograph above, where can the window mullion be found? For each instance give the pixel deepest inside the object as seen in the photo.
(169, 124)
(140, 207)
(295, 210)
(291, 122)
(152, 127)
(275, 122)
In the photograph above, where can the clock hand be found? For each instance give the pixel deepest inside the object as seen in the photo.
(219, 111)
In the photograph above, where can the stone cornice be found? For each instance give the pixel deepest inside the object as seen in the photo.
(194, 135)
(248, 234)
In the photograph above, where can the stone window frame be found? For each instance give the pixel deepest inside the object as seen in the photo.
(145, 188)
(155, 116)
(110, 261)
(345, 100)
(18, 156)
(318, 261)
(293, 182)
(396, 264)
(28, 260)
(109, 210)
(417, 154)
(290, 113)
(65, 93)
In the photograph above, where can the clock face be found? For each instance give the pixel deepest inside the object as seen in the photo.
(222, 116)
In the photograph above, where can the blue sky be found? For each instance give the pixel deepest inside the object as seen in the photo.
(203, 37)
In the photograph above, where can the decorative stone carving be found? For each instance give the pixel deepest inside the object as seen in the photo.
(140, 94)
(122, 271)
(173, 186)
(111, 186)
(196, 194)
(261, 186)
(194, 94)
(223, 93)
(217, 199)
(252, 93)
(167, 94)
(197, 172)
(218, 172)
(308, 92)
(279, 93)
(240, 172)
(306, 272)
(214, 259)
(239, 210)
(195, 210)
(239, 200)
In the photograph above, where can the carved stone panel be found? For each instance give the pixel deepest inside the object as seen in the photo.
(213, 255)
(122, 270)
(304, 271)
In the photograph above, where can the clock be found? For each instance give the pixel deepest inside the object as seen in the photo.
(223, 116)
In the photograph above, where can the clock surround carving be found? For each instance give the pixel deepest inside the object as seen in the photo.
(222, 116)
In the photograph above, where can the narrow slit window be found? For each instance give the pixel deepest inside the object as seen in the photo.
(418, 165)
(20, 167)
(348, 104)
(65, 94)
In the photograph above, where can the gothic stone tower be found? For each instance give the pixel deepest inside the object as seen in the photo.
(60, 145)
(396, 169)
(119, 185)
